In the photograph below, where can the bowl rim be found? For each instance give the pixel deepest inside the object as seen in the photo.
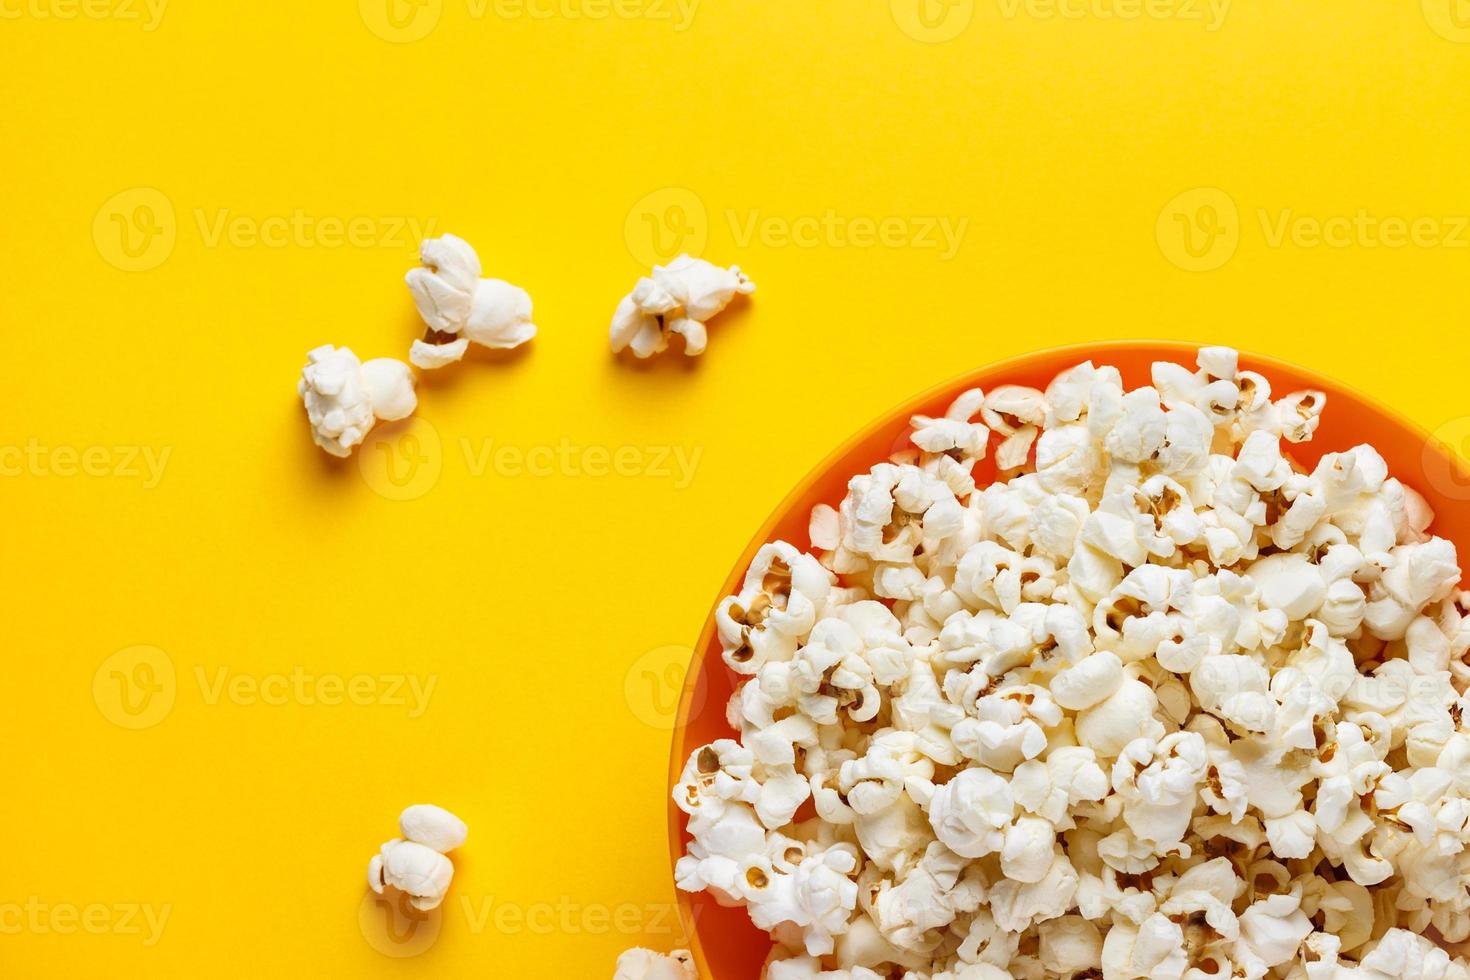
(1085, 351)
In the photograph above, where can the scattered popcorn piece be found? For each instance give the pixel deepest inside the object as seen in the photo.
(420, 872)
(460, 307)
(415, 863)
(345, 398)
(643, 964)
(432, 826)
(1159, 703)
(679, 298)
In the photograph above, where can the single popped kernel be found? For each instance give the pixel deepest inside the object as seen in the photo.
(644, 964)
(415, 864)
(461, 308)
(679, 298)
(345, 398)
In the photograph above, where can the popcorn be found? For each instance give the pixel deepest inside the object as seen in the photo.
(1070, 944)
(1007, 728)
(1289, 583)
(1271, 932)
(927, 898)
(345, 398)
(644, 964)
(1158, 782)
(420, 872)
(1091, 681)
(680, 298)
(817, 895)
(1404, 955)
(784, 592)
(972, 812)
(433, 827)
(953, 444)
(1110, 725)
(460, 307)
(1016, 413)
(1157, 703)
(416, 865)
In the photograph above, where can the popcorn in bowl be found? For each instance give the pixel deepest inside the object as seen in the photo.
(1158, 702)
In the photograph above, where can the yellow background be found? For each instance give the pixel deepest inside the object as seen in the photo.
(543, 606)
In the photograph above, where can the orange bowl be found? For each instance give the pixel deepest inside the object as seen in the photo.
(726, 946)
